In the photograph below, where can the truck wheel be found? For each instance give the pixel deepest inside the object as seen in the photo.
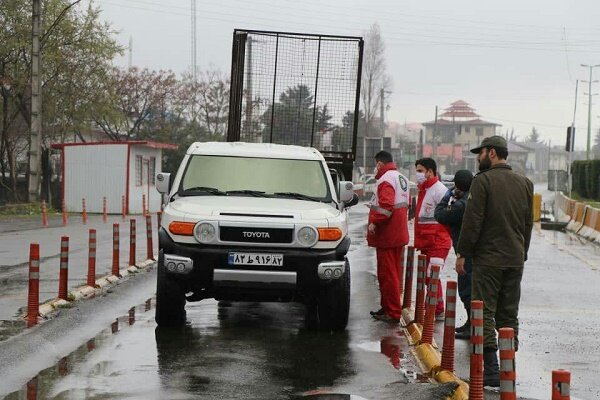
(170, 298)
(334, 303)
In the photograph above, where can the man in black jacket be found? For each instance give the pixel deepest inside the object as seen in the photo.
(450, 212)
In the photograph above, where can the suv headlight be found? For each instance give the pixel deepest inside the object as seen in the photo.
(308, 236)
(205, 232)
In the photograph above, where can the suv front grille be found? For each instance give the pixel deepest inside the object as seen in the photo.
(256, 235)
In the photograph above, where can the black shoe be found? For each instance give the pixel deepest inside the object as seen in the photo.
(466, 327)
(463, 335)
(387, 318)
(491, 371)
(378, 312)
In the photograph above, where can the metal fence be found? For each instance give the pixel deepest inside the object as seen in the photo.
(291, 88)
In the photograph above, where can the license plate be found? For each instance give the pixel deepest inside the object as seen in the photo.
(272, 260)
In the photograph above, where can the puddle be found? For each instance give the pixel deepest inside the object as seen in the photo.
(42, 385)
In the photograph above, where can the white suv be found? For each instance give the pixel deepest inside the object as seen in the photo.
(255, 222)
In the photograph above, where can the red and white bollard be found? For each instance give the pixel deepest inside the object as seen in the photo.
(420, 301)
(33, 295)
(104, 217)
(449, 327)
(91, 277)
(32, 388)
(508, 373)
(408, 277)
(123, 208)
(63, 366)
(149, 250)
(83, 212)
(65, 216)
(116, 251)
(476, 373)
(132, 242)
(434, 281)
(44, 214)
(561, 385)
(144, 205)
(63, 278)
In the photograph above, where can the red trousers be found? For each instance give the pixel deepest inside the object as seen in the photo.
(390, 275)
(443, 254)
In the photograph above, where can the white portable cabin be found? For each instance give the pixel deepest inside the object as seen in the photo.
(92, 171)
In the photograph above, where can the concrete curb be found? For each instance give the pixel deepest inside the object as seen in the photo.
(103, 284)
(429, 357)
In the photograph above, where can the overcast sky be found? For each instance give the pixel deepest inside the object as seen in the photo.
(515, 61)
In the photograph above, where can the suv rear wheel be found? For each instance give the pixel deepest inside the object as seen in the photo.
(170, 298)
(334, 303)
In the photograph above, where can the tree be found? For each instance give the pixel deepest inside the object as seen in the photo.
(534, 136)
(374, 76)
(77, 50)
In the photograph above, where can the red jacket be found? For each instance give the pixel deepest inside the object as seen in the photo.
(429, 234)
(390, 218)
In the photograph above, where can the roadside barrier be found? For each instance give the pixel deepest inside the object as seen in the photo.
(114, 327)
(63, 277)
(65, 218)
(116, 251)
(561, 385)
(123, 208)
(449, 327)
(508, 374)
(44, 214)
(132, 242)
(91, 275)
(83, 212)
(104, 210)
(150, 250)
(33, 295)
(434, 281)
(408, 277)
(420, 300)
(476, 373)
(131, 316)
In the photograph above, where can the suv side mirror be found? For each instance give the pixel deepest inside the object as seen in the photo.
(163, 182)
(346, 191)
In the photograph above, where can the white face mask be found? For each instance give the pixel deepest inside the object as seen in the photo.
(421, 177)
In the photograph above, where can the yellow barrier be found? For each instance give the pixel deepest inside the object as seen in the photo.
(537, 207)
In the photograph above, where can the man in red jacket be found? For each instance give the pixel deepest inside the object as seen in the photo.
(431, 237)
(388, 233)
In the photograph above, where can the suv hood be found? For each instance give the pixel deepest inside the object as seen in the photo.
(277, 207)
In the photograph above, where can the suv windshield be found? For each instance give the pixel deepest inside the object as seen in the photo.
(258, 177)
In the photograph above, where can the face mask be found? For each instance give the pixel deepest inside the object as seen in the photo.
(421, 177)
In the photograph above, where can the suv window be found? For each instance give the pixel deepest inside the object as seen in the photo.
(268, 175)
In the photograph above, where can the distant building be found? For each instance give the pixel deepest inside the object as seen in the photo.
(112, 170)
(449, 139)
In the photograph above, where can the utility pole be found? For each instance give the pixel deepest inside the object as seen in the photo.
(381, 116)
(36, 107)
(589, 127)
(434, 134)
(194, 60)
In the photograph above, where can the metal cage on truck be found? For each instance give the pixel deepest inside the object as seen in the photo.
(297, 88)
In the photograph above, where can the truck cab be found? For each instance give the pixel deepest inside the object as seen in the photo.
(254, 222)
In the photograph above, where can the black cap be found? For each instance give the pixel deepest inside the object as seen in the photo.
(462, 179)
(494, 141)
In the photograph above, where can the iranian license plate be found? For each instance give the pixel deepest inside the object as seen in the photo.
(273, 260)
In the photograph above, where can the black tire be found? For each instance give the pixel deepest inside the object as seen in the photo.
(170, 298)
(334, 303)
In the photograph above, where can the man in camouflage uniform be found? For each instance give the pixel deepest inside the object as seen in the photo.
(496, 232)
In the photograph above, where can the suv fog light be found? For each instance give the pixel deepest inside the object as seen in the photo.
(171, 266)
(328, 273)
(180, 267)
(337, 273)
(205, 232)
(308, 236)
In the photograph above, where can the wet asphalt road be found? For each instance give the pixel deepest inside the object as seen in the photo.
(263, 351)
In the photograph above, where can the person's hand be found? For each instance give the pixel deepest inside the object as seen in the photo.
(372, 228)
(460, 266)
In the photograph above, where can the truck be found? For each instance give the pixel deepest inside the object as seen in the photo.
(264, 216)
